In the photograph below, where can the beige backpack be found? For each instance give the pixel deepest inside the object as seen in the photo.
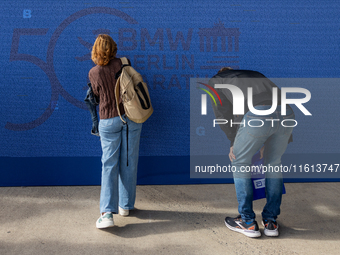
(134, 94)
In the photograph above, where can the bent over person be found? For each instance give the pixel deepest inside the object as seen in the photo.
(248, 134)
(118, 182)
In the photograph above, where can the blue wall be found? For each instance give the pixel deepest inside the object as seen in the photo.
(45, 58)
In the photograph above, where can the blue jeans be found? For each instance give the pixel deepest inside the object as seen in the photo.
(118, 185)
(248, 141)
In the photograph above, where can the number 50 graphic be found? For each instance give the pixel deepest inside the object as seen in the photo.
(47, 67)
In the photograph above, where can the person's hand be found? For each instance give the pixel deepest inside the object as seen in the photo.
(261, 152)
(231, 154)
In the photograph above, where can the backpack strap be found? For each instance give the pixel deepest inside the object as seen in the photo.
(117, 96)
(125, 62)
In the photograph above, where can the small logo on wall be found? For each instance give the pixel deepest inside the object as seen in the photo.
(221, 40)
(27, 14)
(200, 131)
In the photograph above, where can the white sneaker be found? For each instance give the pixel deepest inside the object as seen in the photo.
(123, 212)
(105, 221)
(271, 228)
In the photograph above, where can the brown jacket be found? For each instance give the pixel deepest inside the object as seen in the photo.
(103, 83)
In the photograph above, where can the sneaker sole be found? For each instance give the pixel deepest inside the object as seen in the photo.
(249, 233)
(104, 225)
(271, 233)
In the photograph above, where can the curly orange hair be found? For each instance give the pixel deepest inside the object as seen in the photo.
(103, 50)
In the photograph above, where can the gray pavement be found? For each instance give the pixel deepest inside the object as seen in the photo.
(178, 219)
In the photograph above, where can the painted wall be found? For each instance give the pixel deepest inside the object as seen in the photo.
(45, 58)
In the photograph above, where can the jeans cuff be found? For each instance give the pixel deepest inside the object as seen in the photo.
(248, 221)
(268, 218)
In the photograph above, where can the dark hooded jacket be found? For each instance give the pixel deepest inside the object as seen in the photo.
(262, 95)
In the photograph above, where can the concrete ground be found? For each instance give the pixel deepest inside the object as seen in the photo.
(186, 219)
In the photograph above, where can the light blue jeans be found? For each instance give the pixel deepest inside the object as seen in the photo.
(118, 184)
(248, 141)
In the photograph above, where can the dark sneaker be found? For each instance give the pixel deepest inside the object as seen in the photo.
(238, 225)
(271, 227)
